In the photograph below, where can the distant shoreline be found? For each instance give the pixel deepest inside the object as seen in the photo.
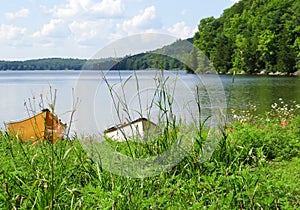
(295, 74)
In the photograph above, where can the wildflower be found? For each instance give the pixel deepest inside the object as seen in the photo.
(285, 123)
(274, 105)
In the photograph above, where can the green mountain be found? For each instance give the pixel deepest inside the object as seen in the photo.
(253, 35)
(169, 57)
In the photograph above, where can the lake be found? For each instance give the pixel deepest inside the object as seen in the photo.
(135, 94)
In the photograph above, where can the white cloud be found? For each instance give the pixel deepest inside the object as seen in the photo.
(144, 20)
(234, 1)
(110, 8)
(105, 8)
(91, 32)
(82, 31)
(9, 32)
(82, 22)
(55, 28)
(19, 14)
(181, 30)
(70, 9)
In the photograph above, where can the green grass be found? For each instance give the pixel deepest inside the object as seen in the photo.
(256, 166)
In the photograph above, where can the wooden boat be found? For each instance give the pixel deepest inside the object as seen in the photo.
(125, 131)
(43, 126)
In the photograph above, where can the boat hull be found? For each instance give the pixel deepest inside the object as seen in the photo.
(126, 131)
(43, 126)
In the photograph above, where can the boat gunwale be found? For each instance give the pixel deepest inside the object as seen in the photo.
(35, 116)
(27, 119)
(120, 126)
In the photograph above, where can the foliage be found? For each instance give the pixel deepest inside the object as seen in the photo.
(57, 64)
(148, 61)
(254, 167)
(168, 57)
(251, 36)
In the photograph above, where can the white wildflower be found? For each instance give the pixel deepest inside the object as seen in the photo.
(274, 105)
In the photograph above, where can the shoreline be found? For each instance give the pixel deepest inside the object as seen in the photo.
(262, 73)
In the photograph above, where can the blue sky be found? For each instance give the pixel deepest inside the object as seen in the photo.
(79, 28)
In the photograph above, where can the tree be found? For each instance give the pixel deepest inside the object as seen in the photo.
(239, 63)
(266, 46)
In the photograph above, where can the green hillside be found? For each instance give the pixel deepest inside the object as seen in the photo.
(163, 58)
(253, 35)
(170, 57)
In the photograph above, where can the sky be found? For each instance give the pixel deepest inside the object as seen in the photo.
(31, 29)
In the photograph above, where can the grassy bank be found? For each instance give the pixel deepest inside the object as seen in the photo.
(255, 166)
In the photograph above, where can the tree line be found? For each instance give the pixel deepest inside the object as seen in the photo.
(164, 58)
(43, 64)
(57, 64)
(137, 62)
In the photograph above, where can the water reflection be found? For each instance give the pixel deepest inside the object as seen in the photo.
(17, 87)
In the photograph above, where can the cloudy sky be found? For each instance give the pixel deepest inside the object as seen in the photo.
(79, 28)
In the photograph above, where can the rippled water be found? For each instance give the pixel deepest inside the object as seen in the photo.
(17, 87)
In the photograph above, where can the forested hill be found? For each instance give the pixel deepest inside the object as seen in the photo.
(175, 56)
(253, 35)
(147, 60)
(57, 64)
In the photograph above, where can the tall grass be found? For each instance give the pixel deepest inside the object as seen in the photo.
(253, 173)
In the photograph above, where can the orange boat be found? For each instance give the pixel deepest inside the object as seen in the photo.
(43, 126)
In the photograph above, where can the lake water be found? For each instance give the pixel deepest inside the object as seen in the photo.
(134, 94)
